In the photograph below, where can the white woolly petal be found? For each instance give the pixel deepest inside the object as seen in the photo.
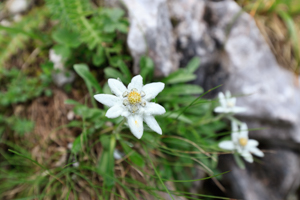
(117, 154)
(222, 99)
(235, 137)
(234, 131)
(107, 99)
(125, 112)
(152, 89)
(152, 123)
(228, 145)
(239, 148)
(247, 156)
(220, 110)
(55, 58)
(256, 152)
(227, 94)
(116, 86)
(252, 143)
(136, 82)
(153, 109)
(135, 123)
(115, 111)
(244, 131)
(5, 23)
(238, 109)
(234, 126)
(232, 101)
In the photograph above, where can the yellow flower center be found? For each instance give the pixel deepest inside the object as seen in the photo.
(134, 97)
(243, 141)
(230, 104)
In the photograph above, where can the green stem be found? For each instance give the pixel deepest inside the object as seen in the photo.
(231, 118)
(240, 163)
(119, 128)
(157, 173)
(193, 102)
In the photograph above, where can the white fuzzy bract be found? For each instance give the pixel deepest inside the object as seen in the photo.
(17, 6)
(62, 76)
(118, 154)
(5, 23)
(56, 59)
(133, 103)
(241, 143)
(228, 104)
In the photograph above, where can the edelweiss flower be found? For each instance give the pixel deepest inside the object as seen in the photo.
(228, 104)
(241, 143)
(56, 59)
(133, 103)
(62, 76)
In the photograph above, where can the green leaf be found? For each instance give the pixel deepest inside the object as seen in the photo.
(180, 76)
(66, 37)
(106, 163)
(122, 27)
(113, 73)
(113, 21)
(185, 89)
(99, 57)
(114, 14)
(89, 79)
(147, 67)
(72, 102)
(62, 50)
(47, 68)
(21, 126)
(193, 65)
(182, 117)
(2, 129)
(126, 72)
(134, 157)
(106, 89)
(75, 124)
(88, 113)
(77, 145)
(12, 30)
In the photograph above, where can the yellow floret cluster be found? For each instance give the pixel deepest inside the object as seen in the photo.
(243, 141)
(134, 97)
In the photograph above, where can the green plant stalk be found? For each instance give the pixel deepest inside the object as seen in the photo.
(157, 173)
(195, 101)
(119, 128)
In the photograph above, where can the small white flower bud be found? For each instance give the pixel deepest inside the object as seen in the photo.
(125, 102)
(125, 94)
(143, 103)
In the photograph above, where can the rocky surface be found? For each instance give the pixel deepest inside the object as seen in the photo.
(233, 53)
(150, 34)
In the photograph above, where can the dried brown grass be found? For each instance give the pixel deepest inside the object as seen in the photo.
(277, 36)
(49, 113)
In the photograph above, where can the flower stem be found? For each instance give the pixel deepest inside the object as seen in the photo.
(157, 173)
(231, 118)
(119, 128)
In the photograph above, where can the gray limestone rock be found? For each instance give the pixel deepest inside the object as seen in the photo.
(233, 53)
(150, 34)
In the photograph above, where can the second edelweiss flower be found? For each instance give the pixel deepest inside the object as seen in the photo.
(133, 103)
(228, 104)
(241, 143)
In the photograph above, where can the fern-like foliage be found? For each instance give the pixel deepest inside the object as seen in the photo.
(15, 38)
(80, 17)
